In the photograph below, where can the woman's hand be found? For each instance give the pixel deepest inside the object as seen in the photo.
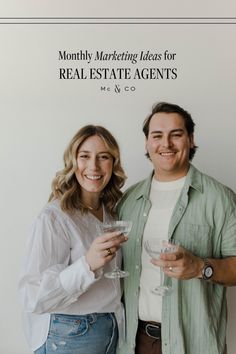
(103, 249)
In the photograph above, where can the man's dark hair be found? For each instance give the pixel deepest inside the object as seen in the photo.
(172, 108)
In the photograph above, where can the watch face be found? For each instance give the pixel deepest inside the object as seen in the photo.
(208, 272)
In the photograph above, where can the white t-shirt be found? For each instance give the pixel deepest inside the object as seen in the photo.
(163, 196)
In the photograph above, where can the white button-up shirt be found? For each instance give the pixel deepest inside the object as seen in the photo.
(56, 277)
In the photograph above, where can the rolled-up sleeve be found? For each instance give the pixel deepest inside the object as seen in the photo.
(229, 227)
(48, 280)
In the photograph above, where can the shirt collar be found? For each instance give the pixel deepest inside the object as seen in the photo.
(193, 179)
(144, 191)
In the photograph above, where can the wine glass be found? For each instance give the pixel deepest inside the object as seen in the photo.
(124, 227)
(154, 247)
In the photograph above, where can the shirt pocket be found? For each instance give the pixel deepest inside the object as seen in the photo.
(195, 238)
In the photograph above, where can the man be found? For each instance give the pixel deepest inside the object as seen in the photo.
(180, 204)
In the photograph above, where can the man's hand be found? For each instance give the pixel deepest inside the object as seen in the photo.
(181, 264)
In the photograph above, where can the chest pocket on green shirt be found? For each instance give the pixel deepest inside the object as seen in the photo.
(195, 238)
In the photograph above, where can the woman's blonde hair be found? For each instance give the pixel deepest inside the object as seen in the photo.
(65, 186)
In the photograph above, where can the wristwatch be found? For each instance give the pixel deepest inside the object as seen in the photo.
(207, 270)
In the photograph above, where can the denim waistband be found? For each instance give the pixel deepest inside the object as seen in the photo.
(90, 317)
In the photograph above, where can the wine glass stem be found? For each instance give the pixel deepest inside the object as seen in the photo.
(161, 276)
(115, 263)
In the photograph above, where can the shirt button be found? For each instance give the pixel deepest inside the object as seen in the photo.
(144, 214)
(137, 266)
(138, 239)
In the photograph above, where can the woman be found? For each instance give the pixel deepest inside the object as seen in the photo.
(70, 307)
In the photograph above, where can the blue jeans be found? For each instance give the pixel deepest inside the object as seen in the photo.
(95, 333)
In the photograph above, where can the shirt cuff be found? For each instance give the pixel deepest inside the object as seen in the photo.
(77, 277)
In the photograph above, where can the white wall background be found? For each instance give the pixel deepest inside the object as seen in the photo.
(40, 114)
(164, 8)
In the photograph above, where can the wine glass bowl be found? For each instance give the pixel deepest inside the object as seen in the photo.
(124, 226)
(153, 247)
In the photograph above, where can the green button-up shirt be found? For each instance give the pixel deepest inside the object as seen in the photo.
(203, 221)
